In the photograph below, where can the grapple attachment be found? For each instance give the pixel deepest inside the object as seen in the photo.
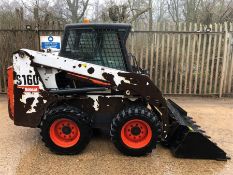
(187, 140)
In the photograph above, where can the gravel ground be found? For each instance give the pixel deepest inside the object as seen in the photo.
(22, 151)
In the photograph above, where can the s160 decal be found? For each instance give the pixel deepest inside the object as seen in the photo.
(27, 80)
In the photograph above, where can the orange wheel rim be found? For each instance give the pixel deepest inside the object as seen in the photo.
(136, 133)
(64, 132)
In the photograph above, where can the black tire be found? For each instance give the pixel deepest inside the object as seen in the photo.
(129, 114)
(77, 117)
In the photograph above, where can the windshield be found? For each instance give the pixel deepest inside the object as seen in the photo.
(97, 47)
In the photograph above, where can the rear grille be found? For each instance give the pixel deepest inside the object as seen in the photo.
(10, 91)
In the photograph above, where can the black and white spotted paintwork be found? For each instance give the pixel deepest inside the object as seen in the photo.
(125, 85)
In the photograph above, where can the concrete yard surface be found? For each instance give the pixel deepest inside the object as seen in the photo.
(23, 152)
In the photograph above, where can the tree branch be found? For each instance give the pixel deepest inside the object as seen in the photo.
(139, 14)
(85, 4)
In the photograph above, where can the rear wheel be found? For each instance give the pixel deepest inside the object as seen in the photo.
(66, 130)
(135, 131)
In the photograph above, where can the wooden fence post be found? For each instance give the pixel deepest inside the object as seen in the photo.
(162, 60)
(224, 60)
(132, 42)
(207, 63)
(172, 63)
(182, 60)
(231, 66)
(157, 54)
(230, 59)
(228, 68)
(167, 58)
(152, 56)
(202, 63)
(198, 61)
(177, 58)
(187, 59)
(213, 59)
(1, 78)
(192, 59)
(218, 58)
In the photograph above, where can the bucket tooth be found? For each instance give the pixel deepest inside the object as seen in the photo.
(207, 136)
(187, 140)
(190, 118)
(197, 126)
(193, 122)
(202, 131)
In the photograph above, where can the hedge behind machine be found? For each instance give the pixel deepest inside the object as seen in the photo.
(92, 84)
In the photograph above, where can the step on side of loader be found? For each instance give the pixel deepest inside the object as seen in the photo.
(187, 140)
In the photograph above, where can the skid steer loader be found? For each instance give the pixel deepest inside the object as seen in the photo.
(92, 84)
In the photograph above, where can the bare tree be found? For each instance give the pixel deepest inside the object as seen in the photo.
(96, 12)
(200, 11)
(174, 10)
(137, 8)
(77, 9)
(126, 12)
(118, 13)
(224, 11)
(191, 10)
(150, 20)
(160, 10)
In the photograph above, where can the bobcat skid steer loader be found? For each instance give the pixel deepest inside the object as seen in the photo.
(91, 84)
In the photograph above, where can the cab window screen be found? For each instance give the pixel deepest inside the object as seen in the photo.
(97, 47)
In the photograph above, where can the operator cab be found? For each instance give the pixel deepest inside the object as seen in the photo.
(101, 44)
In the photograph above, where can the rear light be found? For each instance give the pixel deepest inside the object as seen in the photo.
(10, 91)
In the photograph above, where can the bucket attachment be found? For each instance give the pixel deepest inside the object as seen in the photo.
(187, 140)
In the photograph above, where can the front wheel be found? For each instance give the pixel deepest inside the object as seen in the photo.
(66, 130)
(135, 130)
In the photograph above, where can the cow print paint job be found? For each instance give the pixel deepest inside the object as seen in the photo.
(109, 77)
(91, 70)
(29, 106)
(140, 87)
